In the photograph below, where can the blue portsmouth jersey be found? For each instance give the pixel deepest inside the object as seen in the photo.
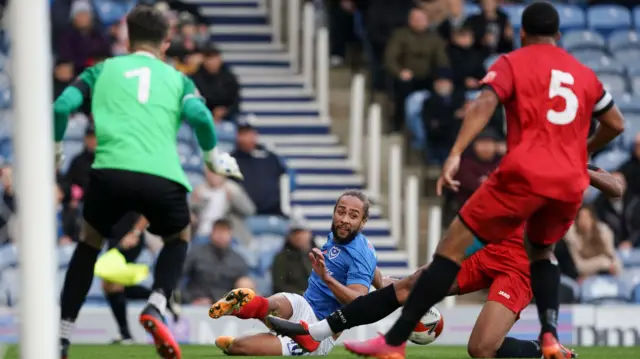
(351, 263)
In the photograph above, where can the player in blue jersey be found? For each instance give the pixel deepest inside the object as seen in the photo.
(343, 270)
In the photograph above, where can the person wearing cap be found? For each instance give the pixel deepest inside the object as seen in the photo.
(262, 170)
(78, 173)
(291, 266)
(218, 85)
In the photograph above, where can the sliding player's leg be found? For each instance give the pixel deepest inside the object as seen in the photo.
(546, 227)
(244, 304)
(103, 207)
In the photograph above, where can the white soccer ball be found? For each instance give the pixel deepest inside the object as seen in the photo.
(429, 328)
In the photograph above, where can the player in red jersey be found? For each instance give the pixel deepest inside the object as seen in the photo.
(549, 98)
(503, 268)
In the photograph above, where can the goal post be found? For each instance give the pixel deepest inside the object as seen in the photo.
(31, 65)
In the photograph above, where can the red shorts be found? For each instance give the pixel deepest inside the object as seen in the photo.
(497, 210)
(504, 271)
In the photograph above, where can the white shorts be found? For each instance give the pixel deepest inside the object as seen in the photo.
(302, 311)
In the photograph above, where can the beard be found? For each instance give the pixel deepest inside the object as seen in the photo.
(343, 240)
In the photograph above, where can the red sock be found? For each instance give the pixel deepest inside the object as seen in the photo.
(257, 308)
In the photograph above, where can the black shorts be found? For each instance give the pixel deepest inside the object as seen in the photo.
(121, 229)
(111, 194)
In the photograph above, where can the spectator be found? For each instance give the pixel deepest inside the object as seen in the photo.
(413, 56)
(382, 19)
(292, 267)
(591, 247)
(437, 11)
(621, 215)
(262, 170)
(187, 44)
(454, 20)
(440, 115)
(477, 164)
(80, 166)
(82, 44)
(66, 216)
(491, 28)
(467, 63)
(219, 86)
(219, 198)
(340, 28)
(631, 168)
(213, 269)
(62, 76)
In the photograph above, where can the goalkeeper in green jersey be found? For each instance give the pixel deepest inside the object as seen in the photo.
(138, 102)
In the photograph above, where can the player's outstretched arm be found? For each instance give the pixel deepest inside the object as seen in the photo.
(199, 117)
(605, 182)
(611, 124)
(72, 98)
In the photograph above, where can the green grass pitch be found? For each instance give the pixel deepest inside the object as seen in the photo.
(210, 352)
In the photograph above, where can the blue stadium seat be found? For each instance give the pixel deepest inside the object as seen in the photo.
(631, 279)
(592, 57)
(185, 149)
(630, 258)
(4, 61)
(636, 16)
(632, 128)
(583, 40)
(607, 18)
(615, 84)
(636, 294)
(603, 288)
(64, 255)
(260, 225)
(628, 57)
(514, 12)
(195, 179)
(5, 98)
(634, 81)
(8, 256)
(226, 146)
(623, 39)
(491, 60)
(611, 160)
(471, 9)
(629, 103)
(185, 133)
(5, 80)
(6, 149)
(226, 131)
(571, 17)
(111, 11)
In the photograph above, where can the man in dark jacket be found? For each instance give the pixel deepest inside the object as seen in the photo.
(218, 85)
(291, 267)
(491, 28)
(466, 61)
(80, 166)
(262, 170)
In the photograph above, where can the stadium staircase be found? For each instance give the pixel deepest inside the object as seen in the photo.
(287, 118)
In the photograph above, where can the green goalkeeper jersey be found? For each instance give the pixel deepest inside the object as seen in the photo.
(138, 102)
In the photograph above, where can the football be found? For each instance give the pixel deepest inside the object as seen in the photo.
(429, 328)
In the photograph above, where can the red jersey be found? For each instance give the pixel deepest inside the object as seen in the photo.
(549, 99)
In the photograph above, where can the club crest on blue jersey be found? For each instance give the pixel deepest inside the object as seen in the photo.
(334, 252)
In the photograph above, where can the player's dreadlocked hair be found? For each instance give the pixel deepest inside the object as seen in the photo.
(359, 195)
(146, 24)
(540, 19)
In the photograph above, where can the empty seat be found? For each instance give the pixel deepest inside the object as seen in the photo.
(629, 103)
(185, 149)
(623, 39)
(582, 40)
(185, 133)
(589, 56)
(603, 288)
(226, 131)
(631, 279)
(195, 178)
(611, 160)
(632, 129)
(571, 17)
(628, 57)
(607, 18)
(634, 81)
(636, 16)
(226, 146)
(615, 84)
(260, 225)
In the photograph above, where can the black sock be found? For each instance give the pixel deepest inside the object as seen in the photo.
(364, 310)
(545, 284)
(432, 286)
(77, 281)
(516, 348)
(118, 303)
(169, 266)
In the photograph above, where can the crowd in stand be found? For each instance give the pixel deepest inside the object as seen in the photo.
(428, 58)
